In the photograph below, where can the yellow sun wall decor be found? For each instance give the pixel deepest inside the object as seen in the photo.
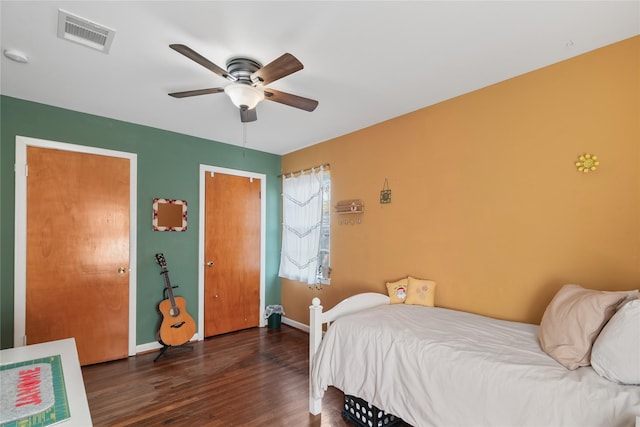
(587, 163)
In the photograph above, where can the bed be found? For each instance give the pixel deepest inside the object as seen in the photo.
(433, 366)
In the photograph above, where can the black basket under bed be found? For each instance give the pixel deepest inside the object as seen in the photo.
(359, 412)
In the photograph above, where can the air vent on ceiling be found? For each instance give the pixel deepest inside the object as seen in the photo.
(83, 31)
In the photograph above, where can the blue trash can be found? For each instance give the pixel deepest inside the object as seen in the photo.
(275, 321)
(274, 313)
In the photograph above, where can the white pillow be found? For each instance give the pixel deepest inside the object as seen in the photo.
(616, 352)
(572, 321)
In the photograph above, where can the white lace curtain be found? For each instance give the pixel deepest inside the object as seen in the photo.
(301, 228)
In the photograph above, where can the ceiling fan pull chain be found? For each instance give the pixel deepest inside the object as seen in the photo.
(244, 138)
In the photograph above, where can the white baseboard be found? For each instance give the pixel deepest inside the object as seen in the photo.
(150, 346)
(295, 324)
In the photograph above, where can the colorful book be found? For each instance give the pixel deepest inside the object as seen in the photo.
(33, 393)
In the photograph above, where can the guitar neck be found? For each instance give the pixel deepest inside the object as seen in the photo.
(165, 273)
(167, 284)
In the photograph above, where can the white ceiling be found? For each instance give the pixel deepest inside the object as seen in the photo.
(365, 61)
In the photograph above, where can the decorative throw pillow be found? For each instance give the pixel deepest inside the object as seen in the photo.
(616, 351)
(572, 321)
(397, 291)
(421, 292)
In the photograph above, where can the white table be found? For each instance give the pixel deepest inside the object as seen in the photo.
(77, 397)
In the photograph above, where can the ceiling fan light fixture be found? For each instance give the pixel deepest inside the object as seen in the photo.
(242, 94)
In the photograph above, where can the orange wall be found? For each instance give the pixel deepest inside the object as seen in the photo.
(486, 199)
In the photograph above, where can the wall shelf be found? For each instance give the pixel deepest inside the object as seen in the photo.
(353, 206)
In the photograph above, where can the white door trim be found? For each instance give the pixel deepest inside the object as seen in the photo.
(20, 261)
(201, 238)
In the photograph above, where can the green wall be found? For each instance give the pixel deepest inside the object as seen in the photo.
(168, 166)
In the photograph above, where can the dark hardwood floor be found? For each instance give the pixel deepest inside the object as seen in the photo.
(255, 377)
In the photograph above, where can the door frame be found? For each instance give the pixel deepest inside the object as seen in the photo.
(204, 169)
(20, 255)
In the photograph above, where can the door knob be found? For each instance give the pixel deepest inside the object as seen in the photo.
(122, 270)
(210, 264)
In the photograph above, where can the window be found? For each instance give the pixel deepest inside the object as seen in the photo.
(324, 255)
(306, 212)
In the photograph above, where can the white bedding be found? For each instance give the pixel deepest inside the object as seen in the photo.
(438, 367)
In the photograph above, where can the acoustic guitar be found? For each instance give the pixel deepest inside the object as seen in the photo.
(177, 326)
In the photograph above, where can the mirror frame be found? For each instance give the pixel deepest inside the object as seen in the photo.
(157, 220)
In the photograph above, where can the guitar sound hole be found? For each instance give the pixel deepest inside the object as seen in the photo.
(174, 311)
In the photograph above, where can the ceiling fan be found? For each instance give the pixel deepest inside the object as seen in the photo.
(249, 79)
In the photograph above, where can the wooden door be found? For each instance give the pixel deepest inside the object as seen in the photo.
(232, 253)
(77, 270)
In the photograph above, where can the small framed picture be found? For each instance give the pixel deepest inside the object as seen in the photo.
(169, 215)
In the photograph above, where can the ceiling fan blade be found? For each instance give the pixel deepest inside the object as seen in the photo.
(196, 92)
(247, 115)
(291, 100)
(277, 69)
(195, 56)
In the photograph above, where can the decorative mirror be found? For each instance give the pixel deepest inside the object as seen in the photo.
(169, 215)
